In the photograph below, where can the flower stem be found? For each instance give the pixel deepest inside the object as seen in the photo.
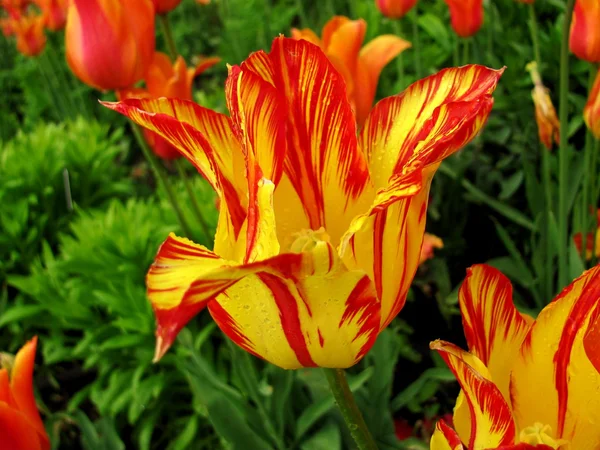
(533, 28)
(162, 177)
(465, 56)
(399, 58)
(352, 416)
(195, 206)
(416, 44)
(563, 154)
(165, 26)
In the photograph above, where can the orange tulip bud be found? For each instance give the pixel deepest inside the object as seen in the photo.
(395, 9)
(545, 114)
(203, 2)
(110, 43)
(591, 112)
(54, 12)
(584, 40)
(21, 427)
(167, 80)
(29, 31)
(466, 16)
(164, 6)
(430, 243)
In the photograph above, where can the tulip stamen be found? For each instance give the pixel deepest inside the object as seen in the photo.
(539, 433)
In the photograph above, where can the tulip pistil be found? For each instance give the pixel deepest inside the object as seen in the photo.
(539, 433)
(307, 240)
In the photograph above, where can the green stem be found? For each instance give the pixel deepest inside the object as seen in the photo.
(302, 13)
(465, 56)
(490, 33)
(267, 24)
(195, 206)
(416, 45)
(162, 178)
(165, 26)
(595, 194)
(455, 57)
(548, 266)
(563, 154)
(533, 28)
(352, 416)
(399, 58)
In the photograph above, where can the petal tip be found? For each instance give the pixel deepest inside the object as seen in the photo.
(162, 346)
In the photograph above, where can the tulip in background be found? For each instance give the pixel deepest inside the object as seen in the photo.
(430, 243)
(395, 9)
(165, 79)
(591, 112)
(341, 41)
(584, 39)
(525, 382)
(319, 234)
(592, 241)
(29, 31)
(110, 43)
(54, 12)
(164, 6)
(545, 114)
(466, 16)
(21, 427)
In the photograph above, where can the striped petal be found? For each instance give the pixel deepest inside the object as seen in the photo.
(324, 164)
(445, 438)
(447, 110)
(591, 343)
(275, 309)
(565, 393)
(206, 139)
(490, 416)
(493, 327)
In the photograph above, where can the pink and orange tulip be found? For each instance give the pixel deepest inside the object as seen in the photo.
(526, 384)
(545, 113)
(29, 31)
(320, 231)
(165, 79)
(164, 6)
(110, 43)
(341, 41)
(466, 16)
(21, 427)
(395, 9)
(591, 111)
(584, 39)
(54, 12)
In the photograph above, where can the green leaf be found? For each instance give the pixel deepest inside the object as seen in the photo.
(326, 438)
(438, 374)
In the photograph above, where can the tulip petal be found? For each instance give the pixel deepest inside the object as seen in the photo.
(276, 308)
(345, 45)
(445, 438)
(204, 137)
(308, 35)
(373, 57)
(493, 327)
(323, 162)
(564, 394)
(16, 431)
(447, 110)
(591, 111)
(591, 343)
(491, 419)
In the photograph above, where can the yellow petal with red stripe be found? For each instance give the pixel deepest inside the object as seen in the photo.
(492, 424)
(445, 438)
(323, 162)
(553, 381)
(493, 327)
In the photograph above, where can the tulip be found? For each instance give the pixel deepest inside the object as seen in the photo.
(21, 427)
(395, 9)
(591, 112)
(545, 114)
(526, 384)
(342, 41)
(584, 39)
(29, 31)
(320, 231)
(164, 6)
(110, 43)
(430, 243)
(592, 241)
(466, 16)
(167, 80)
(54, 12)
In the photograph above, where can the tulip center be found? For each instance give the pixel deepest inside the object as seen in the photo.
(541, 434)
(307, 240)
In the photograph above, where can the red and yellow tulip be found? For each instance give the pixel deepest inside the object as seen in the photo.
(110, 43)
(395, 9)
(545, 113)
(54, 12)
(165, 79)
(341, 41)
(592, 241)
(21, 427)
(525, 383)
(430, 243)
(164, 6)
(320, 232)
(584, 39)
(466, 16)
(591, 112)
